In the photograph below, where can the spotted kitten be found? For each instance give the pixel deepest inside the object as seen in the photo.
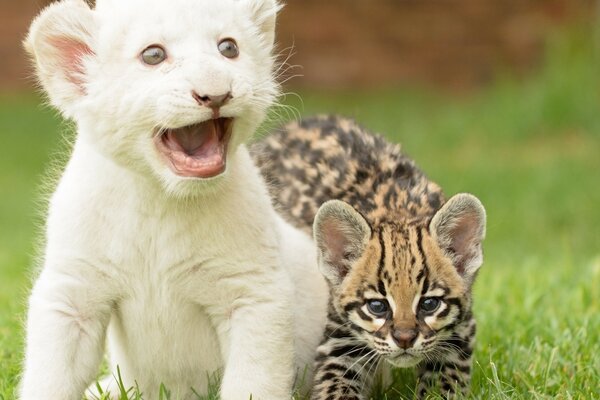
(400, 261)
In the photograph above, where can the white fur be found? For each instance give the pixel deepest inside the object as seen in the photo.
(181, 277)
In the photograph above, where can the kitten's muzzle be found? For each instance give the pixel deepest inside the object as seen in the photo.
(404, 338)
(404, 359)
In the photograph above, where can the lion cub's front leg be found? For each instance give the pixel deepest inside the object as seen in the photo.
(258, 346)
(66, 327)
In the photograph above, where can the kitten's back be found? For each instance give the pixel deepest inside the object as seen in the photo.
(321, 158)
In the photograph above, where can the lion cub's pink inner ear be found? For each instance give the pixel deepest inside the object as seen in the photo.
(71, 53)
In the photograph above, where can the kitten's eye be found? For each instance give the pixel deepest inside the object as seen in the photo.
(229, 48)
(378, 308)
(153, 55)
(430, 304)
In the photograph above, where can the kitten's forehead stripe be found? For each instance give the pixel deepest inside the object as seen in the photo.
(382, 258)
(381, 288)
(419, 244)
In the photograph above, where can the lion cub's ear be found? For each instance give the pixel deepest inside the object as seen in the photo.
(264, 15)
(341, 235)
(60, 43)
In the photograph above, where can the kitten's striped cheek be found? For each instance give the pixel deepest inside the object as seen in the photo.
(367, 321)
(444, 316)
(434, 323)
(378, 324)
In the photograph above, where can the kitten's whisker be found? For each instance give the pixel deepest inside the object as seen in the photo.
(338, 328)
(366, 376)
(368, 354)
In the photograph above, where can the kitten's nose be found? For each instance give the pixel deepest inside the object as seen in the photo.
(212, 101)
(404, 338)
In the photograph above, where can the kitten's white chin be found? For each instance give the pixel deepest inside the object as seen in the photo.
(403, 360)
(197, 150)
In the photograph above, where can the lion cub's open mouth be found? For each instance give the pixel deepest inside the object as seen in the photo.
(199, 150)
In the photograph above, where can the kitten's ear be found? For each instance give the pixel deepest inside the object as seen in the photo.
(341, 235)
(264, 15)
(459, 228)
(59, 41)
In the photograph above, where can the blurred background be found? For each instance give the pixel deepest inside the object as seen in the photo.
(452, 44)
(500, 98)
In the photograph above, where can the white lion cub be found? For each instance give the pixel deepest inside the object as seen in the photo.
(161, 238)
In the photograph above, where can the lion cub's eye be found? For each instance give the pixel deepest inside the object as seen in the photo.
(154, 55)
(229, 48)
(430, 304)
(378, 308)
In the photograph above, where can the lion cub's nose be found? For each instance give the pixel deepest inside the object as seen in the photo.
(212, 101)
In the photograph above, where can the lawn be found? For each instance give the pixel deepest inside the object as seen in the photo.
(530, 150)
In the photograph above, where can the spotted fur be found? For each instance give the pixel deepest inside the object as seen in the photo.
(386, 237)
(327, 157)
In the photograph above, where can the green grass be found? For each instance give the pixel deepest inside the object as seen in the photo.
(529, 150)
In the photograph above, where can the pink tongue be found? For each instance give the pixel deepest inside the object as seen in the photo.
(200, 140)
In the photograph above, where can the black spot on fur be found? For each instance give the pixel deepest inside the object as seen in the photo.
(350, 351)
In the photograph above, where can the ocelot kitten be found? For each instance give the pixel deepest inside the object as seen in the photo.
(400, 261)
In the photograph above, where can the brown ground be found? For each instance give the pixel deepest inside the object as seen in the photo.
(455, 44)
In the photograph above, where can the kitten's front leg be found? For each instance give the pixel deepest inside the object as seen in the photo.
(451, 374)
(259, 351)
(66, 326)
(447, 379)
(346, 376)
